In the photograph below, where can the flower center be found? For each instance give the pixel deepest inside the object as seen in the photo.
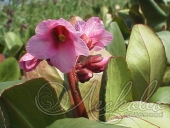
(60, 33)
(62, 38)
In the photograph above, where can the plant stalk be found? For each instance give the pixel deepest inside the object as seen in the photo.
(79, 104)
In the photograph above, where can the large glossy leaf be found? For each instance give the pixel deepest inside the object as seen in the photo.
(32, 104)
(59, 82)
(141, 114)
(162, 95)
(4, 117)
(8, 84)
(81, 123)
(155, 16)
(9, 70)
(12, 40)
(147, 61)
(117, 47)
(115, 88)
(165, 38)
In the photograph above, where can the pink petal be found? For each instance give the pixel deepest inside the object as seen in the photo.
(41, 49)
(79, 26)
(28, 62)
(98, 46)
(80, 47)
(45, 26)
(94, 26)
(106, 38)
(66, 57)
(68, 25)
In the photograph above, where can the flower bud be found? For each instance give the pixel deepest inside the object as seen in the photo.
(84, 75)
(96, 63)
(28, 62)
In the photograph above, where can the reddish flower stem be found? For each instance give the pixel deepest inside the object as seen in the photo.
(79, 105)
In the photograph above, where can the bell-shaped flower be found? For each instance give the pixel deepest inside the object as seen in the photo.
(93, 33)
(28, 62)
(58, 42)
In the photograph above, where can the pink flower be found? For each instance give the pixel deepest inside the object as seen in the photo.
(93, 33)
(28, 62)
(57, 41)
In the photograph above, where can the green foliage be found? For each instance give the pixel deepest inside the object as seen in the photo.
(31, 104)
(141, 114)
(116, 87)
(81, 122)
(165, 38)
(161, 96)
(145, 62)
(9, 70)
(117, 47)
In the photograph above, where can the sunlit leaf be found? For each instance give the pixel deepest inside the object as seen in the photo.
(115, 87)
(165, 38)
(162, 95)
(117, 47)
(81, 122)
(141, 114)
(147, 61)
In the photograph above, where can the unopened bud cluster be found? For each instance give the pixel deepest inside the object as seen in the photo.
(94, 64)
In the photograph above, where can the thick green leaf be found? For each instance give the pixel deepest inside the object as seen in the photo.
(59, 82)
(33, 104)
(9, 70)
(165, 38)
(166, 78)
(147, 61)
(141, 114)
(12, 39)
(162, 95)
(8, 84)
(115, 88)
(155, 16)
(117, 47)
(135, 15)
(81, 123)
(123, 27)
(4, 117)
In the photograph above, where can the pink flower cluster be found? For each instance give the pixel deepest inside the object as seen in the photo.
(60, 43)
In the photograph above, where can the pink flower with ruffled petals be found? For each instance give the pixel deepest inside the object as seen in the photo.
(28, 62)
(59, 42)
(93, 33)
